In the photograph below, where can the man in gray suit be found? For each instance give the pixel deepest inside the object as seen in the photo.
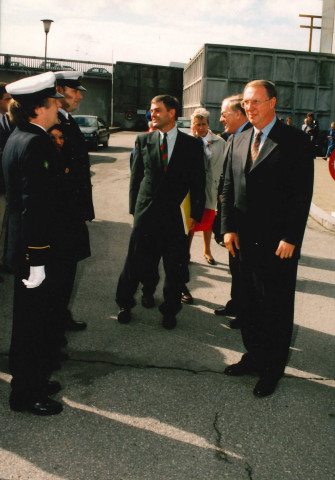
(235, 121)
(266, 199)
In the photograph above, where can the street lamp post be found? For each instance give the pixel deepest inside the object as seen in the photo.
(47, 25)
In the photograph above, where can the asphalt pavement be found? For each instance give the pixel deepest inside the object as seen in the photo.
(144, 403)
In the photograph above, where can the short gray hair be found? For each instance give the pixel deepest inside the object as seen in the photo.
(200, 113)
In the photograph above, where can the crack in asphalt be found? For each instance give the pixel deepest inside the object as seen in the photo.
(220, 454)
(248, 469)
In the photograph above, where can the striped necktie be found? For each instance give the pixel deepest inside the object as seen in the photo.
(5, 123)
(164, 152)
(255, 146)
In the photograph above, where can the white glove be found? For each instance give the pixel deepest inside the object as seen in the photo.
(36, 277)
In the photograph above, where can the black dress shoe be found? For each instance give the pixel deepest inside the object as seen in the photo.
(148, 301)
(229, 310)
(52, 387)
(169, 322)
(265, 387)
(124, 315)
(236, 323)
(187, 298)
(40, 406)
(243, 367)
(75, 326)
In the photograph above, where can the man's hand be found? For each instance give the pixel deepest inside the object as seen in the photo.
(231, 241)
(192, 224)
(36, 277)
(285, 250)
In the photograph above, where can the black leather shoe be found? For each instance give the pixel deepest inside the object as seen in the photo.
(148, 301)
(187, 298)
(236, 323)
(169, 322)
(124, 315)
(52, 387)
(41, 406)
(229, 310)
(75, 326)
(238, 369)
(265, 387)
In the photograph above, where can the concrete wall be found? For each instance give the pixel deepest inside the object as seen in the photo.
(136, 84)
(305, 81)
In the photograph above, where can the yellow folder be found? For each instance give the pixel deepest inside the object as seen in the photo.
(185, 208)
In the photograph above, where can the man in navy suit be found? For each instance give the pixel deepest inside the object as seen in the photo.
(159, 183)
(266, 199)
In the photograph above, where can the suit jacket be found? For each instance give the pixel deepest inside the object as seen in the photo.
(154, 195)
(213, 169)
(270, 202)
(78, 187)
(30, 170)
(225, 156)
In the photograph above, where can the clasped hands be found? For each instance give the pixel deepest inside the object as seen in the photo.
(284, 250)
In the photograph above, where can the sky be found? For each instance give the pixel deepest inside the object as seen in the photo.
(152, 31)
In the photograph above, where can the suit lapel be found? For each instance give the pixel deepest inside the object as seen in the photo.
(270, 144)
(245, 149)
(153, 149)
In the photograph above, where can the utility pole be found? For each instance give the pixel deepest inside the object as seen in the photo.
(311, 28)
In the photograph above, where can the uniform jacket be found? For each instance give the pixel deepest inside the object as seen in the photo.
(30, 171)
(155, 196)
(270, 202)
(78, 187)
(4, 135)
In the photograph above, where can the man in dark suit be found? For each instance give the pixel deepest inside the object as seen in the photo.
(167, 165)
(235, 121)
(77, 190)
(30, 164)
(6, 129)
(266, 199)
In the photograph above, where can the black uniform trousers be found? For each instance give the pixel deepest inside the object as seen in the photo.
(141, 265)
(35, 323)
(267, 311)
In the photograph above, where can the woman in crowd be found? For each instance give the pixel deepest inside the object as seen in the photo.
(213, 157)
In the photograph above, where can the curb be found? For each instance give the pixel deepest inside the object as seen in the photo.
(322, 217)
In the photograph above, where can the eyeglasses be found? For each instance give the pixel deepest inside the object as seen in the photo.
(253, 103)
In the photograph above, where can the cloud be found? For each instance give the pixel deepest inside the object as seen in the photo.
(151, 31)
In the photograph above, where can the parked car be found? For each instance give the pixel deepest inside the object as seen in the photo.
(184, 125)
(98, 71)
(17, 65)
(51, 66)
(94, 129)
(66, 67)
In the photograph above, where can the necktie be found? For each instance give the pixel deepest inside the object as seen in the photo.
(164, 152)
(5, 123)
(255, 146)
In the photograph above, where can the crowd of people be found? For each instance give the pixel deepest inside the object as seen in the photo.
(254, 187)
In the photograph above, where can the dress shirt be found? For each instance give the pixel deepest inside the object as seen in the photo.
(64, 112)
(240, 129)
(265, 132)
(171, 140)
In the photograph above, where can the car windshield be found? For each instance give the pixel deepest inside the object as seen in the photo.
(186, 123)
(86, 121)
